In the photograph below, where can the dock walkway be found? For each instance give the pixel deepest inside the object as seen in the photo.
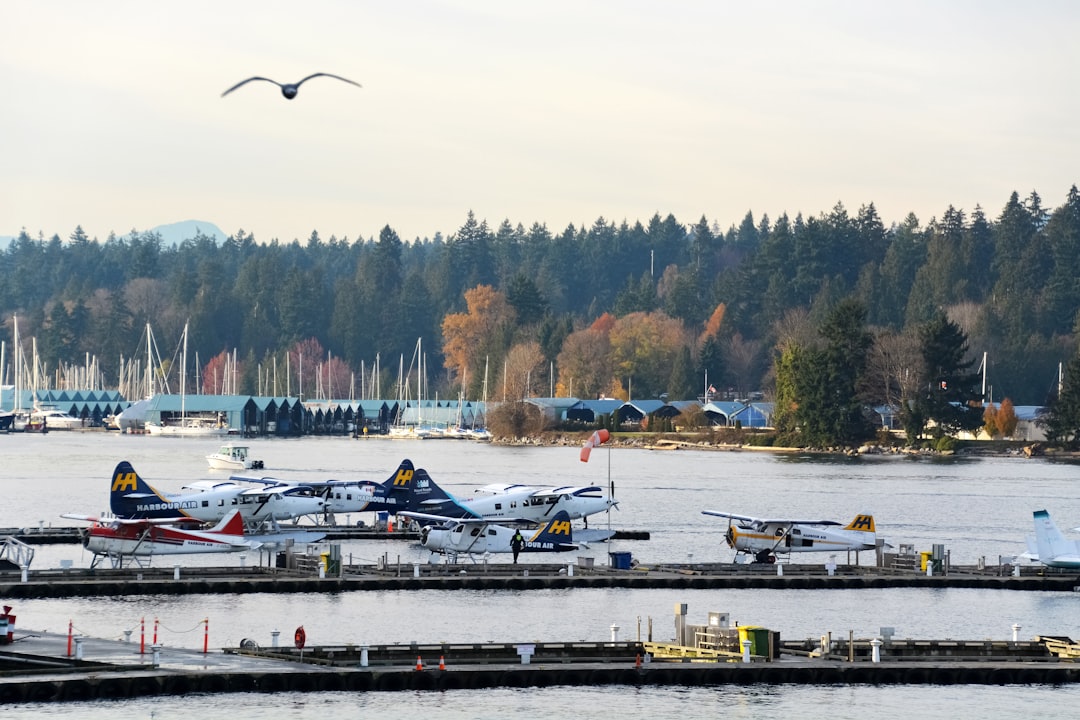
(198, 580)
(37, 668)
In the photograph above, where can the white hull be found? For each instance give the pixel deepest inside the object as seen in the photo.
(217, 462)
(186, 430)
(233, 457)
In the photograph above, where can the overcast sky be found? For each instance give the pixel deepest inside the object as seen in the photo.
(556, 112)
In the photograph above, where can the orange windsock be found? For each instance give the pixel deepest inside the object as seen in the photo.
(598, 438)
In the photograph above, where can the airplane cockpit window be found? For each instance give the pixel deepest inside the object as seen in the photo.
(538, 501)
(475, 532)
(459, 529)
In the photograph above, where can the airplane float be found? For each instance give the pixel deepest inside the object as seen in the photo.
(1050, 547)
(131, 497)
(764, 539)
(470, 536)
(118, 539)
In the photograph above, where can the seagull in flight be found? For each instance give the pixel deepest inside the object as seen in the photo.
(289, 90)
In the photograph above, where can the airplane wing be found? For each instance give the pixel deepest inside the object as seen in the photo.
(591, 491)
(298, 537)
(764, 521)
(467, 520)
(588, 535)
(501, 488)
(257, 480)
(125, 521)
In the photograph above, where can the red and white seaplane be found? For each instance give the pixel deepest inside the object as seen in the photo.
(121, 539)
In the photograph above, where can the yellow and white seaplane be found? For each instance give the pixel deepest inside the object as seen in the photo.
(765, 538)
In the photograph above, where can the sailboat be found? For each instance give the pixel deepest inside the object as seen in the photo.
(185, 426)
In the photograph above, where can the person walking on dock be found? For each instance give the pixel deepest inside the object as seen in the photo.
(516, 543)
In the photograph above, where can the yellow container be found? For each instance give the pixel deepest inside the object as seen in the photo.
(924, 558)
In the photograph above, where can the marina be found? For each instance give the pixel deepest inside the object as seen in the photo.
(915, 502)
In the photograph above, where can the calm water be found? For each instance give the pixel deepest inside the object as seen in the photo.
(977, 508)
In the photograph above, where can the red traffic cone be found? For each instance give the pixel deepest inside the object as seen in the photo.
(637, 663)
(419, 663)
(442, 663)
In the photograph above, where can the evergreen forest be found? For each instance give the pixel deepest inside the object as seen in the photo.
(660, 309)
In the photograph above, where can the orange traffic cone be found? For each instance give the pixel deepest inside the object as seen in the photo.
(442, 663)
(419, 664)
(637, 663)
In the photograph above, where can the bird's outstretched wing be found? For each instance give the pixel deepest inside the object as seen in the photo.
(336, 77)
(245, 82)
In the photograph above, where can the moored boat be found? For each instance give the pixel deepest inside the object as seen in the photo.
(233, 457)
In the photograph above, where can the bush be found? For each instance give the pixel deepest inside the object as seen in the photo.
(945, 444)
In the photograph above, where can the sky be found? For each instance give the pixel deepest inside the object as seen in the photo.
(557, 112)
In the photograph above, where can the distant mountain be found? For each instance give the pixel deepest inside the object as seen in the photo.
(175, 233)
(171, 234)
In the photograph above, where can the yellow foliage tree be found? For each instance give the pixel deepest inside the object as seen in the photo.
(990, 420)
(467, 334)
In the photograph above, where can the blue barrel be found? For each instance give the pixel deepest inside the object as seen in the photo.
(620, 560)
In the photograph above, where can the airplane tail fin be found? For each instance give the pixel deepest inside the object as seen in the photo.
(1048, 539)
(416, 488)
(555, 532)
(132, 497)
(231, 524)
(862, 523)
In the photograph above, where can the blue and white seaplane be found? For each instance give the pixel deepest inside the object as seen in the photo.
(473, 536)
(765, 538)
(350, 496)
(132, 498)
(507, 502)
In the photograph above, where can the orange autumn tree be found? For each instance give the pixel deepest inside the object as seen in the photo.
(469, 335)
(585, 360)
(1006, 418)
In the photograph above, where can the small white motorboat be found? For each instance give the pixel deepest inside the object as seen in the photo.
(233, 457)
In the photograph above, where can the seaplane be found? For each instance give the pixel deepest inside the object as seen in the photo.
(119, 539)
(1050, 547)
(133, 498)
(506, 502)
(349, 496)
(411, 488)
(764, 538)
(472, 536)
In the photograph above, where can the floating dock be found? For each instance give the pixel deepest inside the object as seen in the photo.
(43, 667)
(416, 576)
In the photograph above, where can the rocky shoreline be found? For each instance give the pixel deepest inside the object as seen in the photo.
(725, 442)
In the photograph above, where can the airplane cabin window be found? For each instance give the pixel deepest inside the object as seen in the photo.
(491, 532)
(498, 506)
(206, 503)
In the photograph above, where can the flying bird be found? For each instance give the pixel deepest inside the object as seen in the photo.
(289, 90)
